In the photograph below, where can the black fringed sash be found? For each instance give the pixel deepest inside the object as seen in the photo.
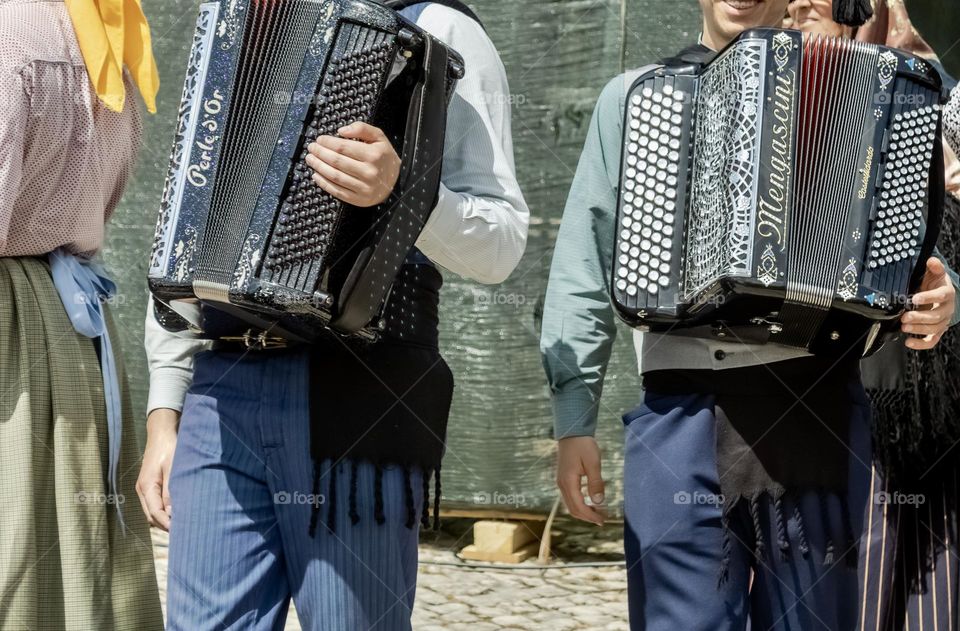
(782, 431)
(385, 403)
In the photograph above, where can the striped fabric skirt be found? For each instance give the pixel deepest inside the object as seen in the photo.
(65, 561)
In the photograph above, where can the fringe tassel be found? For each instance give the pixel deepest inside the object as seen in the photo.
(783, 541)
(411, 508)
(801, 531)
(436, 498)
(332, 499)
(425, 516)
(354, 474)
(378, 495)
(829, 557)
(852, 553)
(759, 547)
(315, 511)
(726, 550)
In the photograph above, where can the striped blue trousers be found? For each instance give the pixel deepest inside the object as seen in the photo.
(241, 486)
(673, 533)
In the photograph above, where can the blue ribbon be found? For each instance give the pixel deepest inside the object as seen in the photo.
(83, 285)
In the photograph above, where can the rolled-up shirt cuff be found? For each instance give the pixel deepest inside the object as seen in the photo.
(168, 388)
(575, 413)
(444, 224)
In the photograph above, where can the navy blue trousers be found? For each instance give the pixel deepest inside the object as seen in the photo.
(241, 489)
(673, 534)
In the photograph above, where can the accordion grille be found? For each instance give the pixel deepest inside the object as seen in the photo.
(720, 223)
(276, 36)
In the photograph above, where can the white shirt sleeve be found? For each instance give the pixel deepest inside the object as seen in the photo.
(479, 226)
(170, 360)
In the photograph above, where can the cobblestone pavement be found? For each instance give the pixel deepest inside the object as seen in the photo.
(589, 595)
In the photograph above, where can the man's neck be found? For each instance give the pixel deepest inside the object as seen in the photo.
(712, 41)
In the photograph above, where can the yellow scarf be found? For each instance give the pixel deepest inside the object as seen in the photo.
(111, 34)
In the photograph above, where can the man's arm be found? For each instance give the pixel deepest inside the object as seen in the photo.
(579, 326)
(170, 360)
(478, 228)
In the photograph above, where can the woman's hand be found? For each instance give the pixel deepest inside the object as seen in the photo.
(360, 168)
(577, 457)
(153, 484)
(935, 306)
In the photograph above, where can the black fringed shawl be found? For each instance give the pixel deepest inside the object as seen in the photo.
(916, 412)
(385, 403)
(782, 431)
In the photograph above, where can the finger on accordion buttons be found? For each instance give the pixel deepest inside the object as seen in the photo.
(337, 191)
(345, 146)
(362, 131)
(341, 179)
(325, 161)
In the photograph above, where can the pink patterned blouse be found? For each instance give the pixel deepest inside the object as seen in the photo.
(64, 158)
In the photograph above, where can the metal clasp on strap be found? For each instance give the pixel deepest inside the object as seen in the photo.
(257, 341)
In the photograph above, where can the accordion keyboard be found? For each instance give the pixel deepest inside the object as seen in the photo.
(897, 232)
(653, 192)
(299, 249)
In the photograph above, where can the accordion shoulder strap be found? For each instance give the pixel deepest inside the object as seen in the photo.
(457, 5)
(935, 209)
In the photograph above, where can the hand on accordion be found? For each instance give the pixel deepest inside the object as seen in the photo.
(360, 167)
(935, 307)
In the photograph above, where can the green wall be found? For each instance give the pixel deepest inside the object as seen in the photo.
(558, 55)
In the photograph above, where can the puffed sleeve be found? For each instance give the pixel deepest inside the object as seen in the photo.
(14, 108)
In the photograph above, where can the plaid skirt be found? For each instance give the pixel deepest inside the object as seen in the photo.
(65, 562)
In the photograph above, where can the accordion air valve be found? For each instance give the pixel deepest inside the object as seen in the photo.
(242, 228)
(777, 194)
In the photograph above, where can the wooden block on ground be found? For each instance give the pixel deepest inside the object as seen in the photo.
(504, 541)
(473, 553)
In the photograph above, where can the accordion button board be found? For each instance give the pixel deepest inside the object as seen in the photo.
(653, 192)
(782, 187)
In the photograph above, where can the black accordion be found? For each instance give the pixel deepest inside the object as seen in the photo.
(243, 230)
(777, 193)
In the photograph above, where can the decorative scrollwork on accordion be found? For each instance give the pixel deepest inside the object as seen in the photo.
(886, 68)
(229, 26)
(189, 108)
(720, 223)
(250, 257)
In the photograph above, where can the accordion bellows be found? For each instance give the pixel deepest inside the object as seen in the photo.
(777, 194)
(242, 227)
